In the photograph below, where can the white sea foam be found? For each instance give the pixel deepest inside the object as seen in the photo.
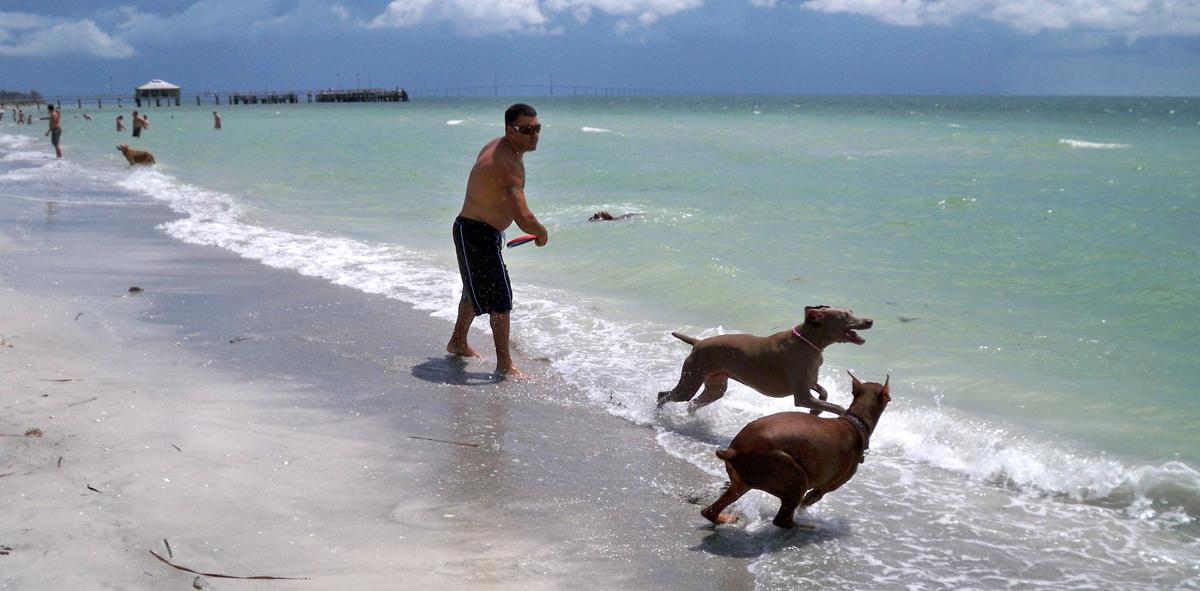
(27, 156)
(1092, 145)
(17, 149)
(988, 453)
(454, 122)
(586, 129)
(12, 141)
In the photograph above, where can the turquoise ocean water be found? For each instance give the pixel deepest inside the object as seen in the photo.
(1031, 264)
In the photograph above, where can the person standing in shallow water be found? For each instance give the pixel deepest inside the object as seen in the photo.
(216, 120)
(139, 124)
(55, 131)
(495, 199)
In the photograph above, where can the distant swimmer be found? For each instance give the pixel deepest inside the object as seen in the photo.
(495, 199)
(216, 120)
(139, 123)
(120, 123)
(87, 117)
(55, 131)
(604, 216)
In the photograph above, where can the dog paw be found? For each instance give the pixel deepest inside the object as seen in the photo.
(725, 518)
(663, 398)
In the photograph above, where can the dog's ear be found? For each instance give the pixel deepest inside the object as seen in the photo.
(854, 381)
(813, 314)
(887, 392)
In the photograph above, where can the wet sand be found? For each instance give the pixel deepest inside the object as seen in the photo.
(265, 423)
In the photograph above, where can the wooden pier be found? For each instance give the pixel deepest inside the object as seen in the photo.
(361, 95)
(271, 98)
(252, 97)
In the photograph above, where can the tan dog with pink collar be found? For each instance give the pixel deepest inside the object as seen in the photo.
(783, 364)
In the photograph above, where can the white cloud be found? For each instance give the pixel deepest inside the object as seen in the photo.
(1132, 18)
(484, 17)
(471, 17)
(23, 34)
(625, 7)
(203, 19)
(216, 19)
(638, 15)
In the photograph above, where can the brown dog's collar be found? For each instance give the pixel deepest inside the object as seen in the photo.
(796, 333)
(862, 429)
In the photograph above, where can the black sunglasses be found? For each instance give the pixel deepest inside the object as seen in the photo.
(527, 129)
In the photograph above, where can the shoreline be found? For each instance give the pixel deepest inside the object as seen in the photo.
(266, 423)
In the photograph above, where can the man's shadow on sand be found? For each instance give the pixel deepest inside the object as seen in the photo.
(736, 542)
(452, 370)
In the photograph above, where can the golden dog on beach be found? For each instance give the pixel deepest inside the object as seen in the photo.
(136, 156)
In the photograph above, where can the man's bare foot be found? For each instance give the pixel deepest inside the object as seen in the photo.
(463, 350)
(512, 373)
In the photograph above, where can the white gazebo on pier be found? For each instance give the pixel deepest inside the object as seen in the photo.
(157, 90)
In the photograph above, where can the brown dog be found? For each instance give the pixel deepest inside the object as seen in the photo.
(798, 457)
(783, 364)
(604, 216)
(136, 156)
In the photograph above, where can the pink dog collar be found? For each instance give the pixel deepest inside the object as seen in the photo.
(796, 333)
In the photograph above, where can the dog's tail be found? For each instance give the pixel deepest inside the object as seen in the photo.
(726, 454)
(689, 340)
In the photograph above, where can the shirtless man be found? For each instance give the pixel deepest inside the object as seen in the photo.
(55, 131)
(495, 199)
(140, 123)
(216, 120)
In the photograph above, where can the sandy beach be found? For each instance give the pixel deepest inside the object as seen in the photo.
(248, 421)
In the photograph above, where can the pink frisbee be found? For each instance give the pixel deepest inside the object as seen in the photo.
(518, 241)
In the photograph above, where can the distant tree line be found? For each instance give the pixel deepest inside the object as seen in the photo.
(13, 96)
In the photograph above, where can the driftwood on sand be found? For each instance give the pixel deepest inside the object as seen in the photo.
(221, 576)
(444, 441)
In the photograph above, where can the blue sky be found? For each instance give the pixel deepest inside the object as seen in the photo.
(1121, 47)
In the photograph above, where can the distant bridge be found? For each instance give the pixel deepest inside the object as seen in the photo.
(547, 89)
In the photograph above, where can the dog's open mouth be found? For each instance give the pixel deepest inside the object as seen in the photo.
(862, 324)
